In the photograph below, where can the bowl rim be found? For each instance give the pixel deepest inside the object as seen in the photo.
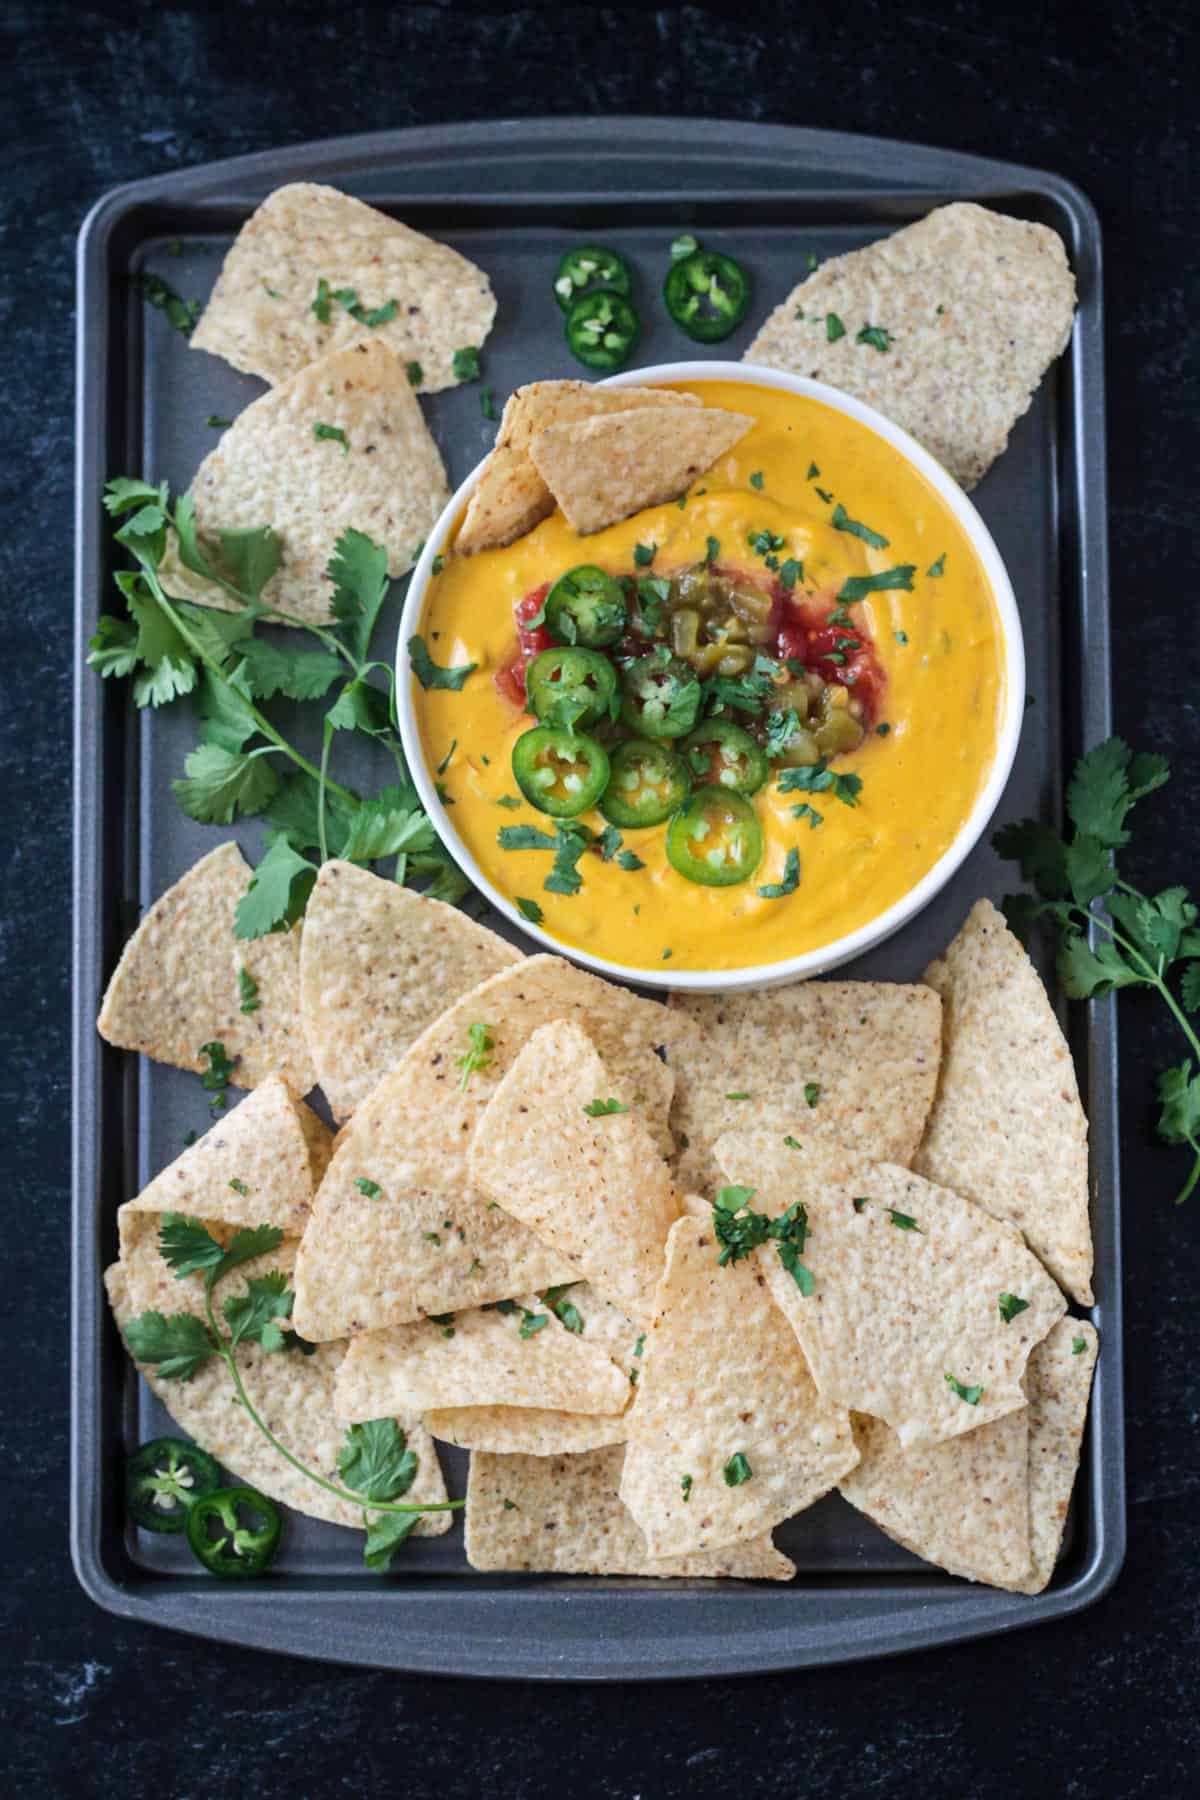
(875, 931)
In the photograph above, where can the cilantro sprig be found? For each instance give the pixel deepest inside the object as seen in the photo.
(1110, 935)
(375, 1463)
(740, 1230)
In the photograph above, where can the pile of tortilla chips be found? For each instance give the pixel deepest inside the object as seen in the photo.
(670, 1273)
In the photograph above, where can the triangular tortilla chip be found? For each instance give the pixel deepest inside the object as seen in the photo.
(1059, 1384)
(904, 1319)
(728, 1436)
(851, 1061)
(525, 1430)
(377, 965)
(510, 496)
(383, 476)
(561, 1515)
(973, 307)
(1007, 1128)
(514, 1354)
(295, 1393)
(176, 988)
(603, 470)
(593, 1188)
(266, 314)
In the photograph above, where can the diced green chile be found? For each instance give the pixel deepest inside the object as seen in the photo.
(571, 677)
(707, 294)
(601, 330)
(235, 1532)
(722, 755)
(560, 772)
(715, 839)
(163, 1481)
(646, 784)
(585, 606)
(587, 267)
(660, 696)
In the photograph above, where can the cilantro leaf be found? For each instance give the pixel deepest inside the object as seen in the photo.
(524, 837)
(843, 522)
(217, 1076)
(182, 315)
(247, 991)
(269, 669)
(249, 557)
(187, 1246)
(1189, 987)
(431, 674)
(254, 1317)
(1041, 853)
(478, 1054)
(564, 876)
(465, 364)
(874, 335)
(376, 1462)
(217, 784)
(601, 1109)
(179, 1345)
(819, 778)
(358, 570)
(385, 1534)
(293, 812)
(529, 909)
(113, 649)
(334, 433)
(1010, 1305)
(857, 587)
(277, 895)
(124, 492)
(1085, 972)
(382, 829)
(1179, 1099)
(737, 1470)
(972, 1395)
(778, 890)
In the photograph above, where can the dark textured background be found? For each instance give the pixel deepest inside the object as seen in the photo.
(89, 97)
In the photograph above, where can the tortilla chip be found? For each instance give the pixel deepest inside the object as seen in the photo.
(176, 985)
(483, 1357)
(561, 1515)
(377, 965)
(1059, 1383)
(593, 1188)
(723, 1377)
(603, 470)
(976, 307)
(260, 316)
(1007, 1128)
(870, 1048)
(271, 468)
(898, 1310)
(583, 1308)
(294, 1394)
(510, 496)
(963, 1504)
(525, 1430)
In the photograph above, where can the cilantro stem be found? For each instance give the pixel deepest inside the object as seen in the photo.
(322, 783)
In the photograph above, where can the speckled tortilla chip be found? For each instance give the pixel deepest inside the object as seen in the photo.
(176, 988)
(603, 470)
(272, 468)
(510, 496)
(851, 1061)
(261, 315)
(975, 307)
(525, 1430)
(897, 1310)
(561, 1515)
(294, 1393)
(377, 965)
(1059, 1384)
(517, 1354)
(1007, 1128)
(593, 1188)
(724, 1379)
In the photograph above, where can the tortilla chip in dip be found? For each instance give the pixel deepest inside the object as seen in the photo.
(1007, 1127)
(563, 1148)
(510, 497)
(947, 327)
(513, 1354)
(904, 1320)
(728, 1436)
(851, 1061)
(561, 1515)
(379, 963)
(176, 986)
(603, 470)
(340, 446)
(294, 1393)
(313, 269)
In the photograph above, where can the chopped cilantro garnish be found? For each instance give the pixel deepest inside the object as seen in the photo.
(644, 554)
(712, 549)
(685, 1487)
(366, 1186)
(812, 1092)
(875, 335)
(901, 637)
(1078, 1346)
(218, 421)
(756, 480)
(239, 1187)
(737, 1470)
(431, 674)
(629, 859)
(248, 991)
(843, 522)
(445, 762)
(819, 778)
(465, 364)
(805, 811)
(601, 1109)
(859, 1202)
(182, 315)
(415, 373)
(332, 433)
(857, 587)
(564, 876)
(1010, 1305)
(834, 329)
(822, 495)
(478, 1055)
(937, 568)
(529, 909)
(739, 1230)
(524, 837)
(793, 1143)
(217, 1076)
(972, 1395)
(437, 565)
(813, 472)
(487, 404)
(737, 1096)
(532, 1322)
(904, 1220)
(882, 730)
(790, 572)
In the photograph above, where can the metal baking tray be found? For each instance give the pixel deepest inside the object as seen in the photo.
(511, 195)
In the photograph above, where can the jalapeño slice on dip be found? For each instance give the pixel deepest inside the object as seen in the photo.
(675, 704)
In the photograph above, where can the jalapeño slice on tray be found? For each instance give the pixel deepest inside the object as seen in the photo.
(660, 696)
(567, 686)
(588, 267)
(601, 330)
(707, 294)
(585, 606)
(715, 839)
(235, 1532)
(721, 754)
(646, 784)
(560, 772)
(163, 1481)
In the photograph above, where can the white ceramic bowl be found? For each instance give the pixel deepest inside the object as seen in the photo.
(841, 950)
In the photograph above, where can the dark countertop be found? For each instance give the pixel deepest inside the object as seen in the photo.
(92, 96)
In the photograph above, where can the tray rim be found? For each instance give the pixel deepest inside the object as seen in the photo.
(460, 1637)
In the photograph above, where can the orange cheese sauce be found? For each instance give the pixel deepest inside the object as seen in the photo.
(940, 648)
